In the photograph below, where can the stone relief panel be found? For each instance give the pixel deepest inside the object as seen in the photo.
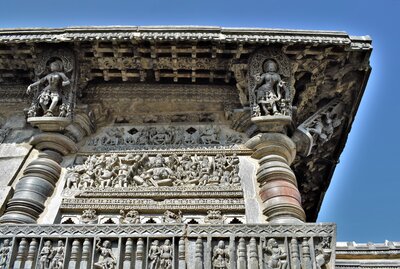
(171, 188)
(169, 246)
(101, 171)
(164, 137)
(50, 256)
(106, 258)
(5, 252)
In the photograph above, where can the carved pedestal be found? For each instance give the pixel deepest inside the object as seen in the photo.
(278, 186)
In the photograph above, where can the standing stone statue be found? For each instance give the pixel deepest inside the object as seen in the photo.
(57, 261)
(277, 257)
(51, 95)
(5, 251)
(269, 92)
(166, 255)
(323, 253)
(106, 259)
(154, 255)
(45, 255)
(220, 258)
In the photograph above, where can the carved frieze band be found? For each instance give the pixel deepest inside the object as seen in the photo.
(168, 246)
(184, 93)
(167, 137)
(113, 171)
(232, 204)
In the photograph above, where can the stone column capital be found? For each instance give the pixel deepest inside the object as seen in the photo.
(54, 141)
(279, 144)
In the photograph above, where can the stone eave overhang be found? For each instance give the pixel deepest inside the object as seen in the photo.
(182, 33)
(327, 65)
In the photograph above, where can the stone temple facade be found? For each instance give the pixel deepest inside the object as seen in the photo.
(176, 147)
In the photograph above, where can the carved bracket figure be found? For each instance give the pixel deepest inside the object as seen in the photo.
(269, 85)
(319, 128)
(54, 90)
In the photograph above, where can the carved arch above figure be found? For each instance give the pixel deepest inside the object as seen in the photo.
(63, 54)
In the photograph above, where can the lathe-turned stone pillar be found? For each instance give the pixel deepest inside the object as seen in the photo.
(271, 93)
(39, 179)
(278, 185)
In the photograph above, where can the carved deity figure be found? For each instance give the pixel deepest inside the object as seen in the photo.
(220, 258)
(277, 257)
(166, 255)
(269, 91)
(46, 255)
(57, 262)
(323, 253)
(154, 255)
(106, 259)
(132, 217)
(5, 250)
(51, 95)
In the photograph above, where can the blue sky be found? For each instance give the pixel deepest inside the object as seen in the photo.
(363, 198)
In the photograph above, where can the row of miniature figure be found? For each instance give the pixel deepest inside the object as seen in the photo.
(162, 136)
(112, 170)
(90, 216)
(270, 253)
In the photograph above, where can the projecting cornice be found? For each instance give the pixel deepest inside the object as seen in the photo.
(182, 33)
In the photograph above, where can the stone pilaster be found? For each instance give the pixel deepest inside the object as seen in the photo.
(278, 185)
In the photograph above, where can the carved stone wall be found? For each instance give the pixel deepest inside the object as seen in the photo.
(168, 246)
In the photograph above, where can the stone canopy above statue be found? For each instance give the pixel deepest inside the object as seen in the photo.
(134, 83)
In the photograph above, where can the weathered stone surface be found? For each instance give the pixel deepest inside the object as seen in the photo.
(12, 158)
(202, 130)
